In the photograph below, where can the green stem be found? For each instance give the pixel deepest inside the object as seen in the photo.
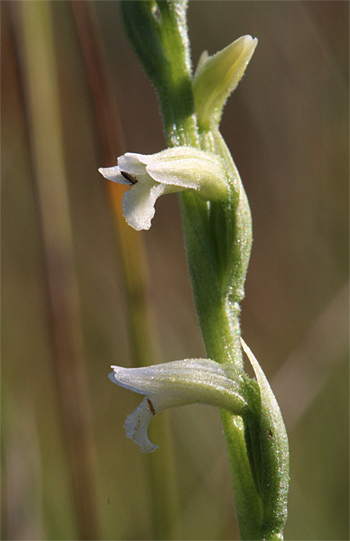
(220, 327)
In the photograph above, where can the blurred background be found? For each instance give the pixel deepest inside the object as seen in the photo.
(81, 291)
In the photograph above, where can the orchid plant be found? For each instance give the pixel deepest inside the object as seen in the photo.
(218, 233)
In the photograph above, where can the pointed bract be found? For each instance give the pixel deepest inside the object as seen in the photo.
(271, 444)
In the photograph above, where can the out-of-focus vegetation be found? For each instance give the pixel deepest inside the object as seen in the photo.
(68, 469)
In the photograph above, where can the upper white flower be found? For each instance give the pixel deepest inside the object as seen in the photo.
(168, 171)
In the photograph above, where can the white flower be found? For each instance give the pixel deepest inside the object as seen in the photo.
(172, 170)
(178, 383)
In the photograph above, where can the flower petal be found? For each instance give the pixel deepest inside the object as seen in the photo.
(114, 174)
(195, 380)
(138, 203)
(188, 167)
(136, 424)
(132, 163)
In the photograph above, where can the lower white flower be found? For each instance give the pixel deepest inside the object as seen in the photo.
(171, 170)
(178, 383)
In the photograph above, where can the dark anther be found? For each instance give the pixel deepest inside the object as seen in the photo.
(128, 177)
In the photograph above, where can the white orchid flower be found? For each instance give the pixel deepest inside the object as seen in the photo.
(178, 383)
(171, 170)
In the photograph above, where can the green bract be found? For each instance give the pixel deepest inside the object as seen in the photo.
(268, 451)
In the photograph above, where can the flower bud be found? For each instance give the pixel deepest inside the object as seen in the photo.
(217, 76)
